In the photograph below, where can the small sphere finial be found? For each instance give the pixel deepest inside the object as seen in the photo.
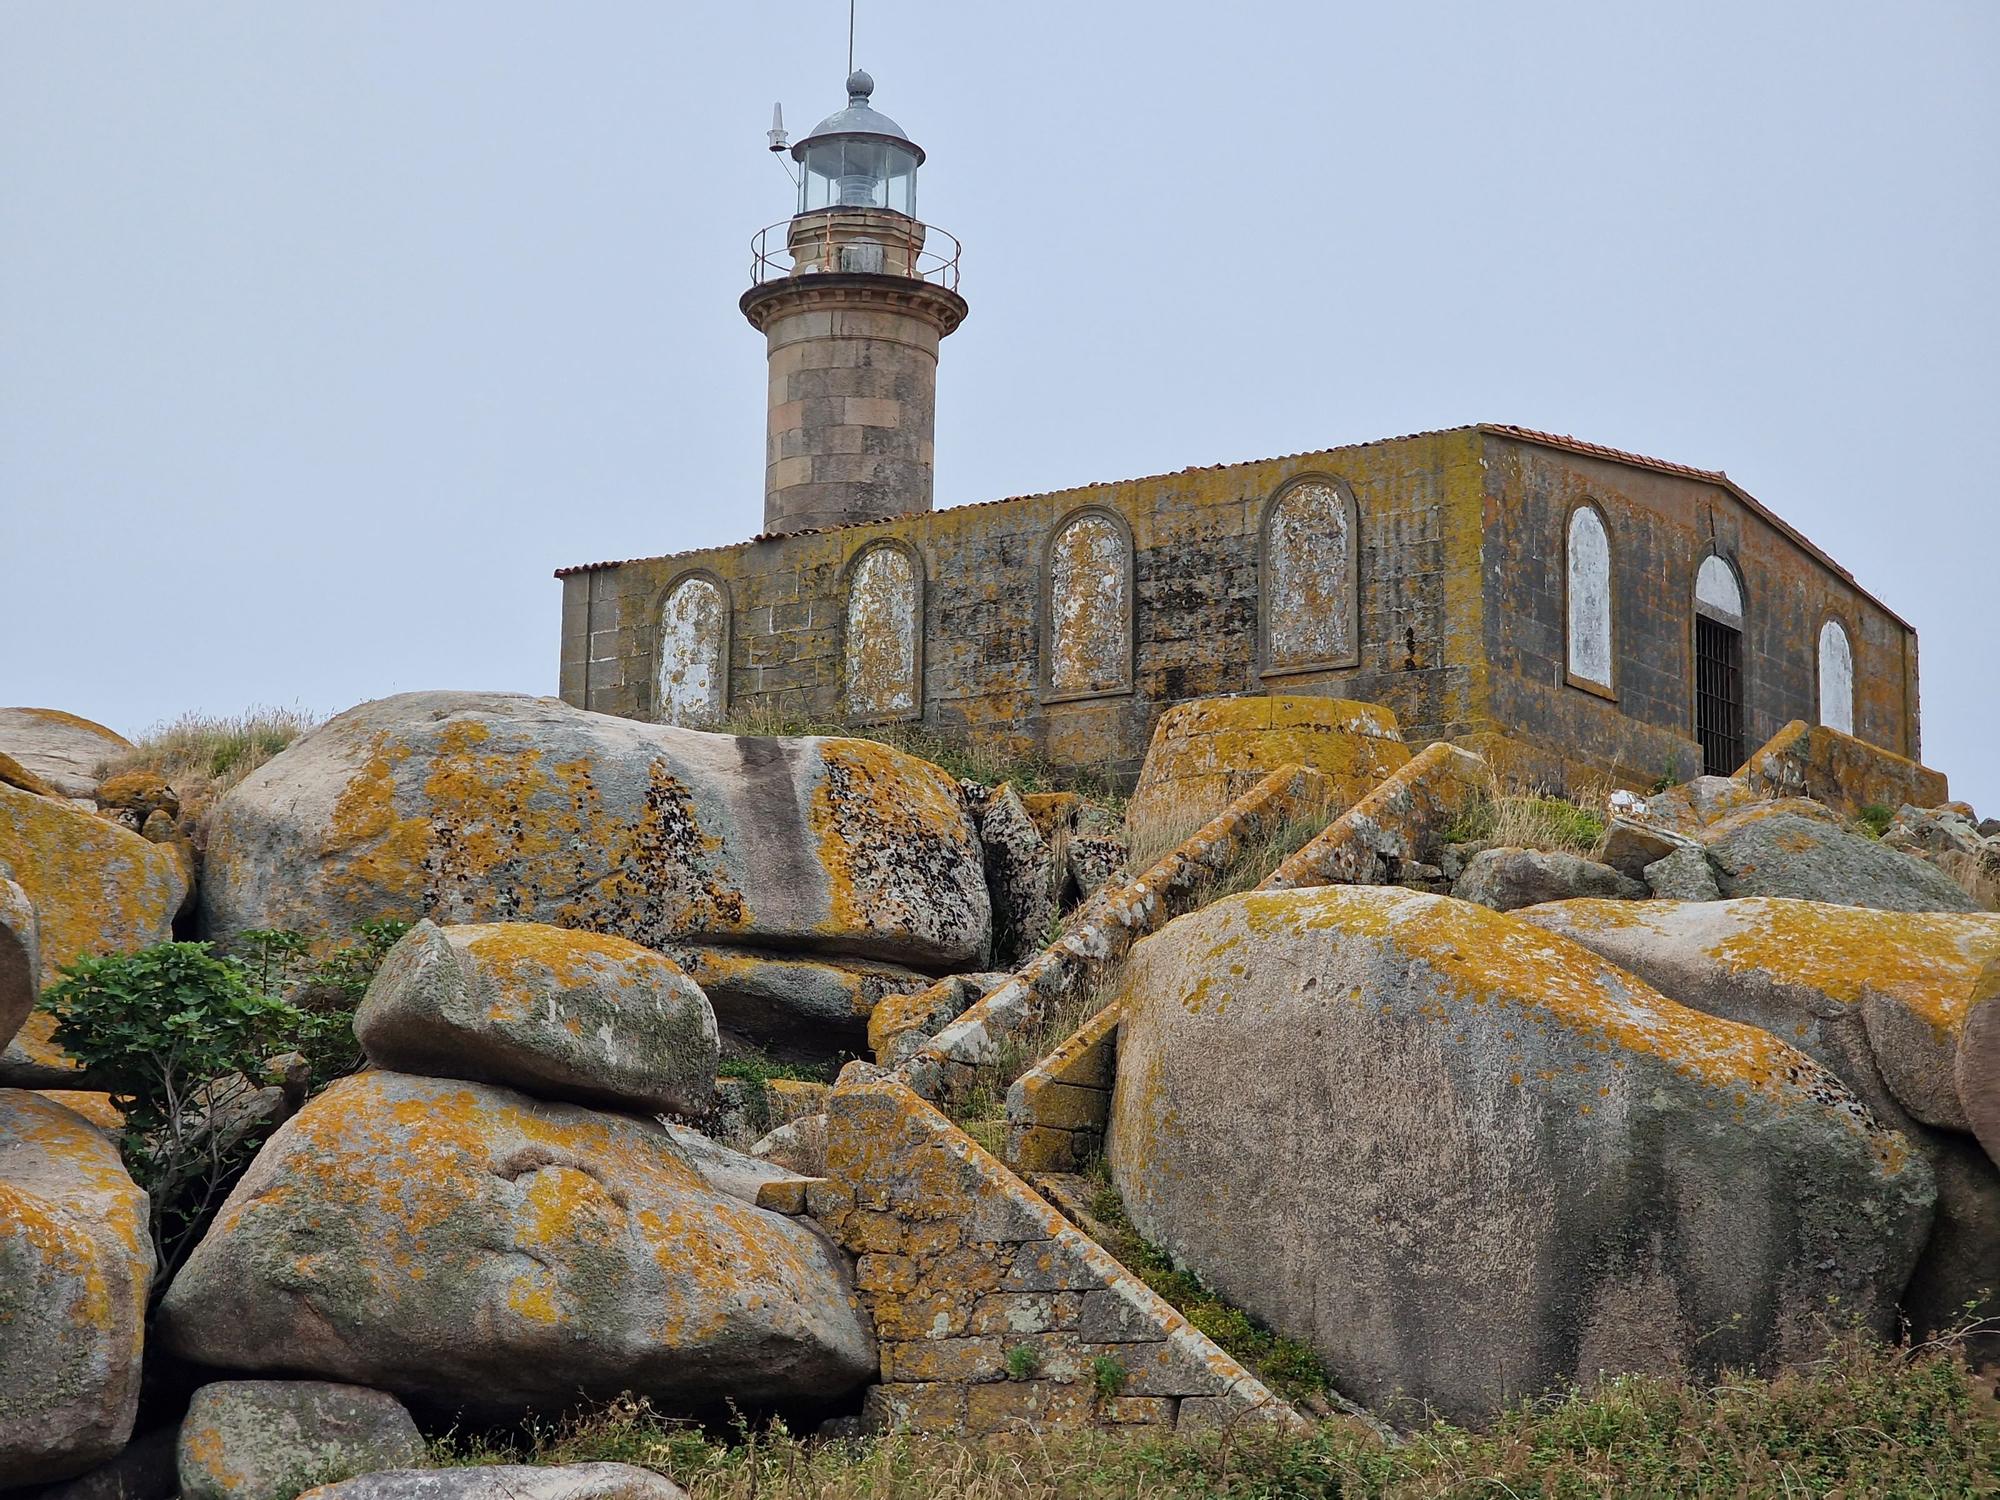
(859, 86)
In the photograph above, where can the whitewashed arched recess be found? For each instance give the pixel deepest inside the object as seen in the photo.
(1087, 648)
(693, 678)
(1587, 564)
(1717, 592)
(1836, 677)
(1311, 577)
(884, 634)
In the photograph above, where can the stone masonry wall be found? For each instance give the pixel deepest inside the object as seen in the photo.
(960, 1264)
(1661, 527)
(1457, 598)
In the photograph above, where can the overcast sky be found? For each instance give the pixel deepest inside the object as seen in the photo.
(329, 330)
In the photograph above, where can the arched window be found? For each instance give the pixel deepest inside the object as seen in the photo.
(1718, 666)
(885, 629)
(1587, 559)
(1310, 577)
(1087, 644)
(693, 685)
(1836, 677)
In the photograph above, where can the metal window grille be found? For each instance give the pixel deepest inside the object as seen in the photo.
(1718, 696)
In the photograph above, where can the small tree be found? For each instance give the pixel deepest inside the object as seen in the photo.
(176, 1035)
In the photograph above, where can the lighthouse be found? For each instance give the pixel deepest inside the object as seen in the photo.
(853, 295)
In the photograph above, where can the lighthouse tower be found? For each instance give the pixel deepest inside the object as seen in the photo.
(852, 295)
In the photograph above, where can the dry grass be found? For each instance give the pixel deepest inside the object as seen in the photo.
(201, 756)
(1514, 817)
(1865, 1421)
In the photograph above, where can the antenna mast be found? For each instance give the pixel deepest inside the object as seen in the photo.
(850, 35)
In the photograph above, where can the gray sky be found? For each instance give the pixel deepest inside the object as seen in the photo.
(328, 330)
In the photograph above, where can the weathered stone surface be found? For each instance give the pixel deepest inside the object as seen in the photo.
(728, 1171)
(1395, 825)
(144, 1469)
(748, 1109)
(558, 1014)
(1467, 1159)
(32, 1060)
(14, 774)
(267, 1439)
(799, 1146)
(483, 807)
(1505, 879)
(95, 887)
(59, 748)
(1879, 998)
(507, 1482)
(1845, 773)
(1095, 861)
(959, 1261)
(793, 1007)
(393, 1214)
(1976, 1069)
(1204, 755)
(76, 1263)
(1683, 875)
(1948, 838)
(20, 959)
(1631, 844)
(1021, 875)
(1782, 849)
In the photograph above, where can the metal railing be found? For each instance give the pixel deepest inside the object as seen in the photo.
(775, 252)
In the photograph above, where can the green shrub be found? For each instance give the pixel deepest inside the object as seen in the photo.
(1024, 1362)
(324, 984)
(1874, 819)
(176, 1035)
(1108, 1374)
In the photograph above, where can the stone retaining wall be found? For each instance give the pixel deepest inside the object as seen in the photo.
(962, 1265)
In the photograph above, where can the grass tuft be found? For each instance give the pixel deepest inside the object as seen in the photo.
(201, 756)
(1865, 1420)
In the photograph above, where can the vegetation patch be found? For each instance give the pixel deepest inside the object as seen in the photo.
(1528, 820)
(1287, 1366)
(180, 1037)
(201, 756)
(1864, 1421)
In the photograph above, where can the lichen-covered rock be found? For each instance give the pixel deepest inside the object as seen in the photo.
(1790, 848)
(266, 1439)
(507, 1482)
(142, 1470)
(1505, 879)
(95, 887)
(76, 1263)
(1207, 753)
(1467, 1159)
(1021, 876)
(789, 1006)
(488, 807)
(61, 749)
(471, 1246)
(1844, 773)
(20, 960)
(1880, 998)
(1691, 806)
(32, 1060)
(14, 774)
(1095, 861)
(555, 1013)
(1683, 875)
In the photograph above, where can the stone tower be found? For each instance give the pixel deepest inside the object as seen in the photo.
(852, 305)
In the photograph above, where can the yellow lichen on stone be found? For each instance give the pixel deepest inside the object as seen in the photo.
(95, 887)
(1475, 957)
